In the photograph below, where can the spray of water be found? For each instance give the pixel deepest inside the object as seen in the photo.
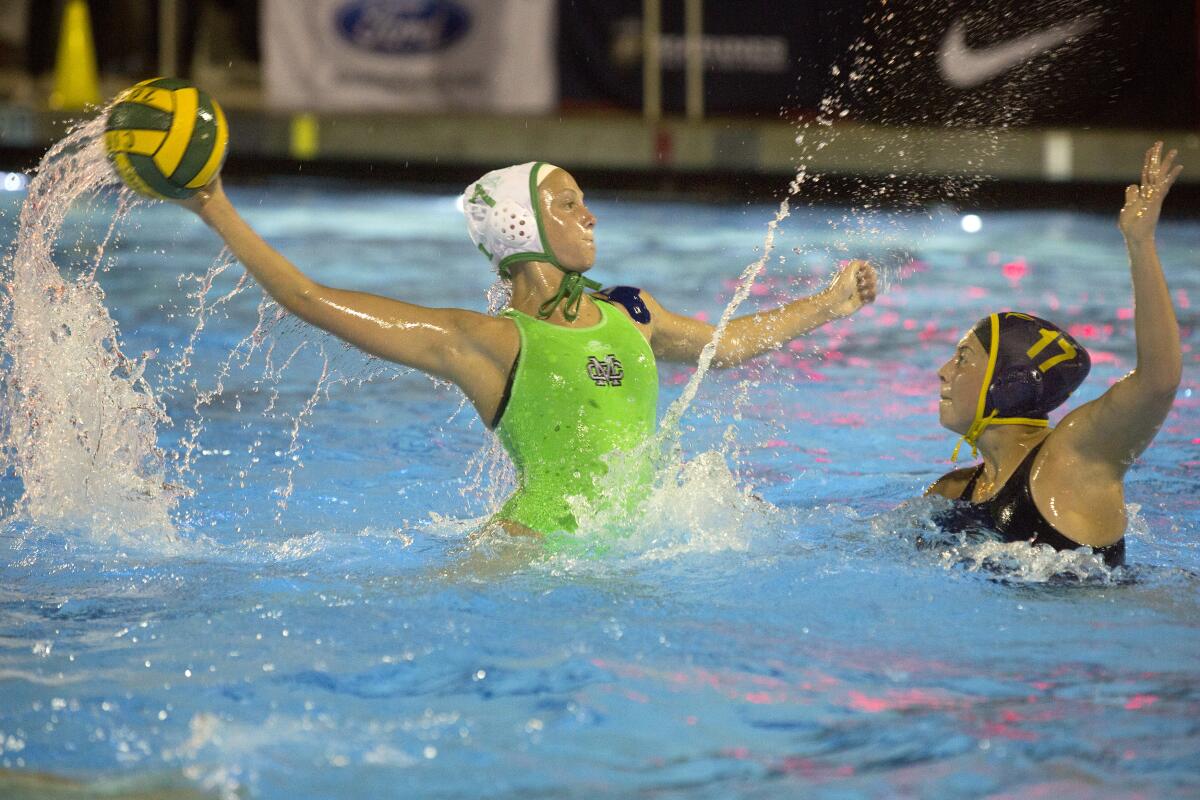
(491, 475)
(82, 419)
(81, 416)
(80, 430)
(917, 522)
(879, 214)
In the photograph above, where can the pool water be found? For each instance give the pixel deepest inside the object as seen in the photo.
(314, 622)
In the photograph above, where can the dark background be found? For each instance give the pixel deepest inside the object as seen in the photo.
(1136, 68)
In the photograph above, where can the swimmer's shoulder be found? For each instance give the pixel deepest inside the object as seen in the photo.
(494, 337)
(636, 302)
(953, 483)
(1082, 497)
(483, 326)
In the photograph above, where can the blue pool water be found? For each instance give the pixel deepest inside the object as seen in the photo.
(316, 625)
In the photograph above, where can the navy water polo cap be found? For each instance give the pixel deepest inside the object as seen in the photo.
(1033, 366)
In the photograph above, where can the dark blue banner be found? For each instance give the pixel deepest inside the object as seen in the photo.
(938, 62)
(759, 55)
(1013, 62)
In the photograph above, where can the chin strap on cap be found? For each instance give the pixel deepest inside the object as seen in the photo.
(570, 289)
(982, 419)
(977, 428)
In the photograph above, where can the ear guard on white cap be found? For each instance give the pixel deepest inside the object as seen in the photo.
(503, 217)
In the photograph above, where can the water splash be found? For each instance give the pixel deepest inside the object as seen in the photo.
(696, 507)
(82, 418)
(668, 430)
(882, 208)
(1011, 562)
(82, 421)
(696, 504)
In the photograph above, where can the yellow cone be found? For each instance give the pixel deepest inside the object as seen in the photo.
(305, 138)
(75, 81)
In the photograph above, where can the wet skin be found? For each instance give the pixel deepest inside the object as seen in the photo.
(476, 351)
(961, 378)
(1082, 499)
(568, 223)
(1077, 480)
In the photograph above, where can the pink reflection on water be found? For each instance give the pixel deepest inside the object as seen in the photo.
(913, 267)
(902, 699)
(1141, 701)
(1088, 330)
(1015, 270)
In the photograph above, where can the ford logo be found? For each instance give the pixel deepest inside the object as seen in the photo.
(402, 27)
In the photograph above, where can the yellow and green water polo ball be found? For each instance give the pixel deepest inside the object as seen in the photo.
(166, 138)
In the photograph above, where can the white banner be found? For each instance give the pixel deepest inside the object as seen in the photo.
(410, 55)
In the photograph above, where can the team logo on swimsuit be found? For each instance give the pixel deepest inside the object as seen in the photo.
(607, 372)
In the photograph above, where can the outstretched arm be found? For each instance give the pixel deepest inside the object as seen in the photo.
(1116, 427)
(429, 339)
(678, 338)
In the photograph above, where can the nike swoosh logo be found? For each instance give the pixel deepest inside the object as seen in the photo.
(964, 68)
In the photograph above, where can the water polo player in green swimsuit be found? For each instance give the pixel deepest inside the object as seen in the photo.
(565, 377)
(1062, 486)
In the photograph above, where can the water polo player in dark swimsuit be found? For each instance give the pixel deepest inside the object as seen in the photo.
(1063, 486)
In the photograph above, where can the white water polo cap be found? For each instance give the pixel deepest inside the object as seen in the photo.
(504, 218)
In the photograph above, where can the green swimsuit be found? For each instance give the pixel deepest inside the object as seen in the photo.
(578, 395)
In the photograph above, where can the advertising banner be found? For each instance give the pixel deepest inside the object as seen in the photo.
(1016, 62)
(410, 55)
(759, 55)
(949, 62)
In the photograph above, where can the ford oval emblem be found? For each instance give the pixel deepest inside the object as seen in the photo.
(402, 27)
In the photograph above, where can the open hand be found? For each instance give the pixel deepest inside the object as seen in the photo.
(1143, 202)
(852, 288)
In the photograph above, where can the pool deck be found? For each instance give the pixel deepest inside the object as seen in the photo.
(713, 156)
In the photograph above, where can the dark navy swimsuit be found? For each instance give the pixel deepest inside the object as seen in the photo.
(1013, 514)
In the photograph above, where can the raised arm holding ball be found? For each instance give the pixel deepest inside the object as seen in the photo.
(567, 378)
